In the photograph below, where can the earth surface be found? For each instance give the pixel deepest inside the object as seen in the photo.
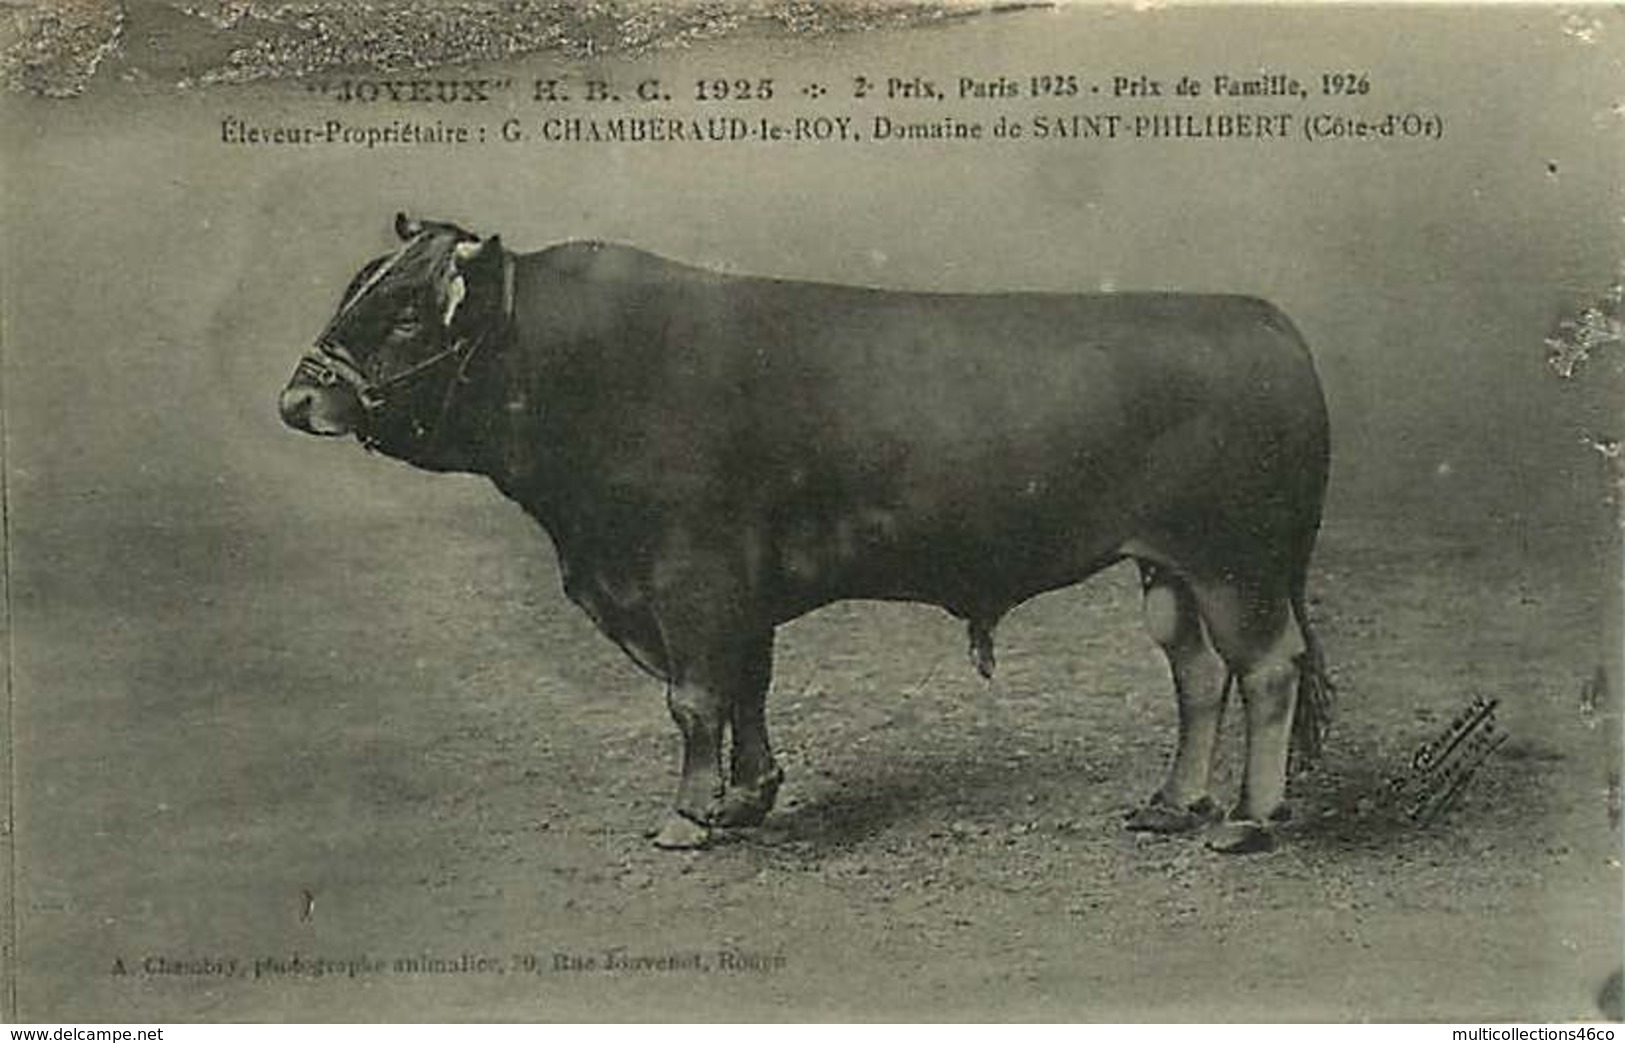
(382, 735)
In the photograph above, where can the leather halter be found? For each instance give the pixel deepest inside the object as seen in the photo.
(330, 362)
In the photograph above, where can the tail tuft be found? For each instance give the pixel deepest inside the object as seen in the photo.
(1317, 700)
(1317, 696)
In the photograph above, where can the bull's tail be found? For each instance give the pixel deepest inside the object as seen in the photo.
(1317, 697)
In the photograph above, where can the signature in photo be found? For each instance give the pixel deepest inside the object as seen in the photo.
(1441, 768)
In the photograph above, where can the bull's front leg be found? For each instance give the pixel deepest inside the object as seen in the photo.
(720, 664)
(754, 776)
(725, 683)
(697, 709)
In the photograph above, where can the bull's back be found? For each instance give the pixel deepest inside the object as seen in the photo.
(976, 450)
(965, 448)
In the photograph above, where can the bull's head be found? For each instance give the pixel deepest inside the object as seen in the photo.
(405, 334)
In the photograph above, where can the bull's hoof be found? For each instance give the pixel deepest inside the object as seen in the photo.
(743, 808)
(1160, 815)
(681, 833)
(1240, 836)
(748, 805)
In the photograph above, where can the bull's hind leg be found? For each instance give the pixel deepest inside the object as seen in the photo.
(1257, 634)
(1200, 678)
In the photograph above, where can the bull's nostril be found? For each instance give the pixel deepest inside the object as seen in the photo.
(295, 407)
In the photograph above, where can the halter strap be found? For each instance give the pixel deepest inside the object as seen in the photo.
(330, 362)
(366, 286)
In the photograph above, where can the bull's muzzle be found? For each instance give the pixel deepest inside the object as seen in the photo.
(317, 410)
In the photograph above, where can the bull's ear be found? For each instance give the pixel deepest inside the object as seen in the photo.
(466, 256)
(405, 227)
(468, 252)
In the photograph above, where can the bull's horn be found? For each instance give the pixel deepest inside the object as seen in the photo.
(405, 227)
(467, 250)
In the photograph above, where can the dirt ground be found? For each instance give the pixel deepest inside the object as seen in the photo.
(382, 734)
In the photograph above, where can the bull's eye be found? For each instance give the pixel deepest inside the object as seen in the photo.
(406, 325)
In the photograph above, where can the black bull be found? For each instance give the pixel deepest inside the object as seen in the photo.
(715, 455)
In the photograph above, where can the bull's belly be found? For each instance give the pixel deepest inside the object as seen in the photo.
(973, 572)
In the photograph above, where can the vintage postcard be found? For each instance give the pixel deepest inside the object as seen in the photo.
(776, 511)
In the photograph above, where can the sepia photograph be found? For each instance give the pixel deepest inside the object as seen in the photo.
(781, 512)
